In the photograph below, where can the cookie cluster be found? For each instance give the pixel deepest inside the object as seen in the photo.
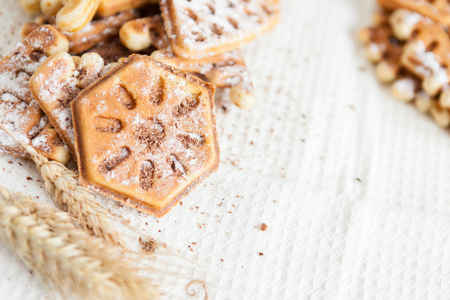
(409, 44)
(119, 87)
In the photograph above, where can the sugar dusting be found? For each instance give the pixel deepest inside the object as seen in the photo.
(20, 112)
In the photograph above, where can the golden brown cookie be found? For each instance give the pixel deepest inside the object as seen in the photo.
(427, 48)
(20, 111)
(204, 28)
(145, 134)
(57, 82)
(438, 10)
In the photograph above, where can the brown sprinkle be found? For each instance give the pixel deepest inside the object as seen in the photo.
(263, 227)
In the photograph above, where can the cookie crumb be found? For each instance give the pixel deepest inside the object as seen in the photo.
(148, 246)
(263, 227)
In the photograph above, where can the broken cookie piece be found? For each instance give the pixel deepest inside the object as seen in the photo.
(58, 81)
(145, 134)
(20, 111)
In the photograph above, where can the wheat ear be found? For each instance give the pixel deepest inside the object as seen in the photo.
(70, 196)
(66, 258)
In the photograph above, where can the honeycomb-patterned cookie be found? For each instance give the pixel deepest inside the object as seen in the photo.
(145, 134)
(95, 32)
(438, 10)
(57, 82)
(20, 111)
(209, 27)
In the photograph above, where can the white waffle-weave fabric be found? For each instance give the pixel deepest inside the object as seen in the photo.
(354, 186)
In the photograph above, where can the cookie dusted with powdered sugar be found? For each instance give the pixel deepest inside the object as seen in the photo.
(209, 27)
(145, 134)
(20, 112)
(58, 81)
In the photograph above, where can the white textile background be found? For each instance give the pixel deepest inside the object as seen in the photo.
(354, 186)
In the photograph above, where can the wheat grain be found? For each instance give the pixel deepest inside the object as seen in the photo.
(70, 196)
(66, 258)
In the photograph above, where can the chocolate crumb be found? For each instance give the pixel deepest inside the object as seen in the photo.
(146, 176)
(150, 134)
(29, 178)
(260, 254)
(185, 107)
(188, 140)
(148, 246)
(263, 227)
(36, 55)
(68, 93)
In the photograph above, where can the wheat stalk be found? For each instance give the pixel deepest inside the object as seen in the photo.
(70, 196)
(66, 258)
